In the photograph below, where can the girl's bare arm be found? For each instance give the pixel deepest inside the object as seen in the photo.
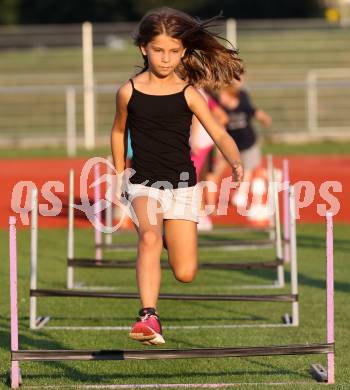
(220, 115)
(119, 125)
(222, 139)
(195, 134)
(263, 118)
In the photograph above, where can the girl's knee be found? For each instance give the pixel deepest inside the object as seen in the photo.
(150, 239)
(185, 275)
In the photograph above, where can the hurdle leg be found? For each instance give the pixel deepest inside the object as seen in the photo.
(34, 321)
(97, 198)
(109, 209)
(293, 252)
(330, 298)
(317, 370)
(70, 241)
(286, 212)
(272, 233)
(15, 370)
(278, 239)
(33, 258)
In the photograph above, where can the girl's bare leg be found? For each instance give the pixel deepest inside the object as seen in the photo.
(181, 239)
(150, 244)
(219, 169)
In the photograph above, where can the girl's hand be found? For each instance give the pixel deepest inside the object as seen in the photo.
(237, 171)
(263, 118)
(120, 187)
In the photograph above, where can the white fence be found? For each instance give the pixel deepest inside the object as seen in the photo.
(298, 71)
(52, 115)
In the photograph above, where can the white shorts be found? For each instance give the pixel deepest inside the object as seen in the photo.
(251, 157)
(177, 203)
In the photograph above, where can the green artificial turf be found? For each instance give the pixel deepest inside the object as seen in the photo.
(99, 312)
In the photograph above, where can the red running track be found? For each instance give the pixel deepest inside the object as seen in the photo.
(315, 169)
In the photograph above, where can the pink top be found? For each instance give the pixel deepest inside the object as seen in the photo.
(212, 103)
(201, 139)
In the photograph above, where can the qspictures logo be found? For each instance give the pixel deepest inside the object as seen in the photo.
(119, 192)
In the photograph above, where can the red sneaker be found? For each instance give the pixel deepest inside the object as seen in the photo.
(147, 329)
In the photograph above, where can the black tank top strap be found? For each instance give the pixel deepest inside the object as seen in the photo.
(132, 83)
(185, 87)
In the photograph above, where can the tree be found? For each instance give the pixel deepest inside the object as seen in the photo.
(262, 9)
(76, 11)
(9, 11)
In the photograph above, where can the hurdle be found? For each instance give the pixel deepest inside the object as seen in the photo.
(286, 226)
(317, 371)
(227, 244)
(35, 293)
(99, 262)
(271, 200)
(108, 239)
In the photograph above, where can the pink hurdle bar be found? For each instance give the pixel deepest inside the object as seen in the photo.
(286, 213)
(15, 377)
(98, 219)
(330, 298)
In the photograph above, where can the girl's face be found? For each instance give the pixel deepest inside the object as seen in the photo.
(164, 54)
(229, 96)
(228, 99)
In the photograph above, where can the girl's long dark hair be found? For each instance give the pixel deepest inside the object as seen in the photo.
(207, 62)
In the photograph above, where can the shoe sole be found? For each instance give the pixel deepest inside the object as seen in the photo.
(152, 339)
(155, 339)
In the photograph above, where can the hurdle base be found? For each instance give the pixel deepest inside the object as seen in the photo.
(319, 373)
(278, 284)
(20, 381)
(287, 319)
(40, 322)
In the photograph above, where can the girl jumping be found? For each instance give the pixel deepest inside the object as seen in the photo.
(157, 106)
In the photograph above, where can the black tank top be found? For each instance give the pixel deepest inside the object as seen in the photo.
(160, 129)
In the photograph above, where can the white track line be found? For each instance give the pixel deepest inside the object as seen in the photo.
(171, 385)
